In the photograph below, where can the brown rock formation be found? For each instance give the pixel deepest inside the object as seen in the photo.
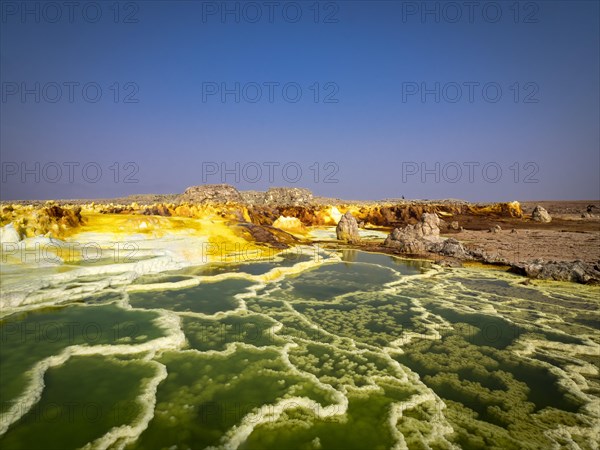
(270, 236)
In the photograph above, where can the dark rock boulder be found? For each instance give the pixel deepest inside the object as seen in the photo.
(574, 271)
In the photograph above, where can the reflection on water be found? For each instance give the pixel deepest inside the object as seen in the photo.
(404, 266)
(251, 268)
(353, 350)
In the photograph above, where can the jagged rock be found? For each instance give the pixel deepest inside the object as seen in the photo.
(513, 231)
(417, 238)
(8, 234)
(214, 193)
(451, 247)
(448, 247)
(405, 242)
(429, 226)
(540, 214)
(454, 225)
(347, 228)
(575, 271)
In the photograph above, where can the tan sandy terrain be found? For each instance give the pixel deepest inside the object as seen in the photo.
(568, 237)
(529, 244)
(562, 208)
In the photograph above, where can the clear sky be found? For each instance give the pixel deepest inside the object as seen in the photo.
(352, 99)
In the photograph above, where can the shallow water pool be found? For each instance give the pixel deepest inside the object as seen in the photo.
(357, 350)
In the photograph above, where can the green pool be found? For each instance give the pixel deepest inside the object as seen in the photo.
(356, 351)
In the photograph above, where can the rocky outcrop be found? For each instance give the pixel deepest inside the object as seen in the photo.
(540, 214)
(405, 241)
(508, 209)
(574, 271)
(451, 247)
(273, 237)
(429, 226)
(347, 229)
(211, 193)
(385, 215)
(418, 238)
(289, 196)
(266, 207)
(424, 237)
(279, 197)
(51, 220)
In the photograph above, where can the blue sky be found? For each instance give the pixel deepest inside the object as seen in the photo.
(361, 128)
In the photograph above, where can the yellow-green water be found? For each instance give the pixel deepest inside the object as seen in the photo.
(359, 351)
